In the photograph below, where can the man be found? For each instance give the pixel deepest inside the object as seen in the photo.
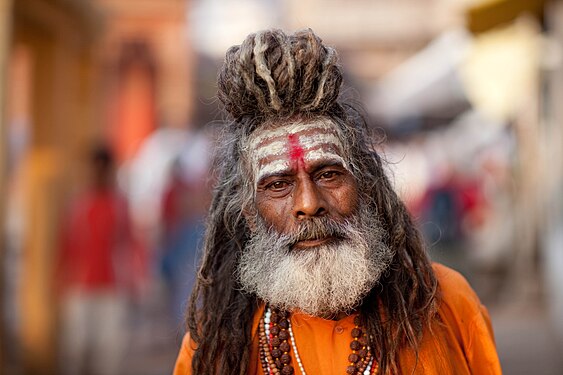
(311, 262)
(93, 291)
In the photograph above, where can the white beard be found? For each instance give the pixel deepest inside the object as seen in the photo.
(322, 281)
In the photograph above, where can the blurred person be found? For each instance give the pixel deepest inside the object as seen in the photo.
(311, 262)
(441, 208)
(182, 230)
(455, 206)
(94, 275)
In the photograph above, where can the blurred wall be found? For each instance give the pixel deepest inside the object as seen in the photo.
(145, 48)
(376, 35)
(50, 116)
(5, 12)
(78, 71)
(552, 147)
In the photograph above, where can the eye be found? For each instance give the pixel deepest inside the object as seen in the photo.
(277, 186)
(328, 175)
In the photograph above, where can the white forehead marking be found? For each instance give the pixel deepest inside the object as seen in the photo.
(307, 142)
(274, 148)
(276, 166)
(290, 129)
(281, 147)
(315, 155)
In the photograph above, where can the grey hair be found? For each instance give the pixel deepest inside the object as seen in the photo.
(270, 79)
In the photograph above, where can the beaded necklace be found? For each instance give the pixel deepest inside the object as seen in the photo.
(275, 335)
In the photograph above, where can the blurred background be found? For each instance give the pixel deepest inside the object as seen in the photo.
(108, 119)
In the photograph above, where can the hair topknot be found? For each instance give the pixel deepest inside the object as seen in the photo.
(272, 74)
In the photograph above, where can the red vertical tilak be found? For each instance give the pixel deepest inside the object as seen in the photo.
(296, 152)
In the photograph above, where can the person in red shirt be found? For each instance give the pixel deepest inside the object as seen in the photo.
(311, 262)
(94, 274)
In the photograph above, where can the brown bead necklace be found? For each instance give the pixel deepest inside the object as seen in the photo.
(275, 335)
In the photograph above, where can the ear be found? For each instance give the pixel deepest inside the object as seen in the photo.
(249, 214)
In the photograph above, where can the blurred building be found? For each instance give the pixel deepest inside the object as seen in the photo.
(375, 36)
(75, 72)
(470, 83)
(147, 69)
(50, 113)
(551, 235)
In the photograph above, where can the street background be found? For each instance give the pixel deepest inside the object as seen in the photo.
(108, 121)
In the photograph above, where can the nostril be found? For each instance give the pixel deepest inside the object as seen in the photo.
(320, 212)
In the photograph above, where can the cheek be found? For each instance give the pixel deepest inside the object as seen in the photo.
(345, 199)
(275, 212)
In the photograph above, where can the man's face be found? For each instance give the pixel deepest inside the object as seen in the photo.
(314, 246)
(300, 174)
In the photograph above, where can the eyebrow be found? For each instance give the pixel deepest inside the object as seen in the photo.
(332, 162)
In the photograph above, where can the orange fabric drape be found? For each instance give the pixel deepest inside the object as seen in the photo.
(464, 344)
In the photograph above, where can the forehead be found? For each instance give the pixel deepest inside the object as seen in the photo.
(295, 145)
(320, 126)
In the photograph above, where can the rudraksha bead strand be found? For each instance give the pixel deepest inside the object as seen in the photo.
(276, 332)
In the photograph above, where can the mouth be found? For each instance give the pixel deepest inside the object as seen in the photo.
(307, 244)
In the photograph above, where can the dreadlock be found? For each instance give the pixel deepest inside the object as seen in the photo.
(273, 77)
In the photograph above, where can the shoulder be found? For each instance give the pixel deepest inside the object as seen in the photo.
(454, 288)
(183, 364)
(459, 307)
(467, 320)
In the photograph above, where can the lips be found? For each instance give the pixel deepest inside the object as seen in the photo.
(307, 244)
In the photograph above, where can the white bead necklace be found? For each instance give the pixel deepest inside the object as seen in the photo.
(294, 346)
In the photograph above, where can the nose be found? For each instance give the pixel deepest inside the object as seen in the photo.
(308, 200)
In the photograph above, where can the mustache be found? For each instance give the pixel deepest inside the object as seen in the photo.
(315, 228)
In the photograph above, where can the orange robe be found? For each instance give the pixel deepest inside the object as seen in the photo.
(461, 344)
